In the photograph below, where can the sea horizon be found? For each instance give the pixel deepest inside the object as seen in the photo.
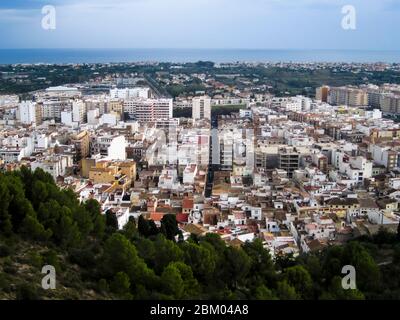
(126, 55)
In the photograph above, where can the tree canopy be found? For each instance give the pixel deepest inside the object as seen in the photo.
(144, 261)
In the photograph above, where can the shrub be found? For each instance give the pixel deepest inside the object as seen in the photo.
(27, 291)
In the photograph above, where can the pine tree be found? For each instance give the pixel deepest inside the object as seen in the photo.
(5, 217)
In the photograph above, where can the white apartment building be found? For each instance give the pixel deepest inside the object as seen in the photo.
(355, 168)
(306, 103)
(11, 154)
(149, 110)
(230, 148)
(8, 100)
(349, 96)
(27, 112)
(384, 155)
(62, 91)
(194, 149)
(245, 113)
(189, 174)
(117, 148)
(180, 103)
(374, 114)
(112, 147)
(93, 116)
(51, 109)
(130, 93)
(98, 102)
(66, 118)
(201, 108)
(294, 104)
(168, 179)
(79, 112)
(14, 148)
(109, 119)
(41, 141)
(55, 165)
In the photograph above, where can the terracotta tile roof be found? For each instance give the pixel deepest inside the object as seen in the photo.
(187, 203)
(156, 216)
(182, 217)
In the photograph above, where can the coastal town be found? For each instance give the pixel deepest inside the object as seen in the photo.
(223, 152)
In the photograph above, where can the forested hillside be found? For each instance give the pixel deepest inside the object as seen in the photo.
(43, 225)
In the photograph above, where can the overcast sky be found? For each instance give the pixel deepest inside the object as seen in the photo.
(268, 24)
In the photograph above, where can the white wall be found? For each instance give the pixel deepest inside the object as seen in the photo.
(116, 150)
(27, 112)
(66, 118)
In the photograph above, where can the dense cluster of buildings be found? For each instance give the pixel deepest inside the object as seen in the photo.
(298, 173)
(385, 97)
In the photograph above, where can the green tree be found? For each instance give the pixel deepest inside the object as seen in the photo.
(83, 220)
(336, 292)
(191, 287)
(84, 257)
(216, 241)
(166, 251)
(398, 232)
(50, 257)
(121, 285)
(384, 237)
(146, 250)
(39, 193)
(67, 231)
(27, 291)
(263, 293)
(32, 229)
(19, 206)
(237, 266)
(332, 263)
(5, 217)
(130, 230)
(111, 221)
(103, 286)
(262, 268)
(299, 278)
(173, 284)
(121, 256)
(201, 259)
(368, 276)
(147, 228)
(313, 265)
(26, 175)
(285, 291)
(41, 175)
(169, 226)
(99, 221)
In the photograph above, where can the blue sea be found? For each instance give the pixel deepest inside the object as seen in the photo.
(60, 56)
